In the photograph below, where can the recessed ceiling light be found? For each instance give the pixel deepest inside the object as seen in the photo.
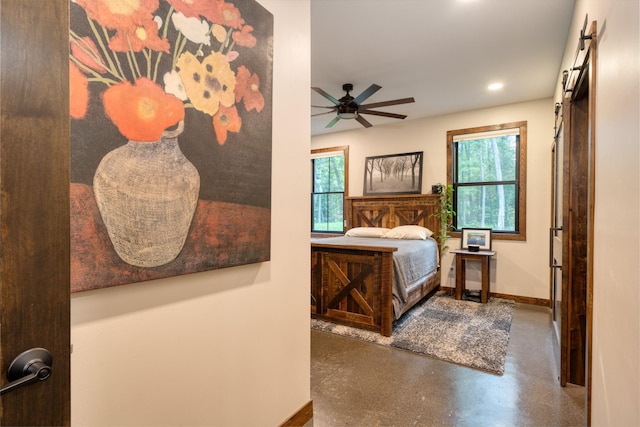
(496, 86)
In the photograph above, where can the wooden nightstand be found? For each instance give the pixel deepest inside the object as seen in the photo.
(462, 256)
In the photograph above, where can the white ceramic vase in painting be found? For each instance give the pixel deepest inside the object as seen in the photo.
(147, 194)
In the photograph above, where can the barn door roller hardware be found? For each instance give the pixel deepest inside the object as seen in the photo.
(584, 36)
(566, 74)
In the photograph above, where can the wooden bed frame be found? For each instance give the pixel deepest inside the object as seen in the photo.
(352, 285)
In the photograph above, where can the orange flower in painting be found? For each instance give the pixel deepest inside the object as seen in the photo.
(226, 120)
(138, 38)
(132, 20)
(85, 51)
(244, 37)
(216, 11)
(225, 14)
(142, 111)
(116, 14)
(78, 92)
(248, 89)
(197, 8)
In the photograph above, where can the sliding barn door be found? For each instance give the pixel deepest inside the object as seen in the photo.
(575, 151)
(575, 262)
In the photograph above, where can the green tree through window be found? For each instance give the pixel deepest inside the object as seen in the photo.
(487, 171)
(329, 182)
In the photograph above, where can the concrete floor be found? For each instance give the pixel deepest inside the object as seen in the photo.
(360, 384)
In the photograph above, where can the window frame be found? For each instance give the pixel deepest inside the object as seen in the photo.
(345, 153)
(521, 158)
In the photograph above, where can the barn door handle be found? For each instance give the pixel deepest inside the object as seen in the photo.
(30, 366)
(552, 264)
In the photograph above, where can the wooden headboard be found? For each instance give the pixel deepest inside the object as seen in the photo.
(392, 211)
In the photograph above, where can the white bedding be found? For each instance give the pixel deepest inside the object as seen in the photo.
(413, 262)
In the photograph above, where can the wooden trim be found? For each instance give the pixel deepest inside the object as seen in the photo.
(541, 302)
(590, 231)
(344, 148)
(301, 417)
(325, 235)
(566, 234)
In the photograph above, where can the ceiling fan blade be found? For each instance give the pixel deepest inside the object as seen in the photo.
(333, 122)
(326, 95)
(363, 121)
(386, 103)
(367, 93)
(322, 114)
(323, 106)
(383, 114)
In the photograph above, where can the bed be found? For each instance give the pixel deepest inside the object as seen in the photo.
(355, 280)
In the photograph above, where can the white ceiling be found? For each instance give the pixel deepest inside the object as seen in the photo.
(444, 53)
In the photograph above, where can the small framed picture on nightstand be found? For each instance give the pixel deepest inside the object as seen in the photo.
(480, 237)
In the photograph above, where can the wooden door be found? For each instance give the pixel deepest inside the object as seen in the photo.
(578, 189)
(576, 216)
(578, 222)
(34, 205)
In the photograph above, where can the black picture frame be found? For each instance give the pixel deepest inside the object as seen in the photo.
(480, 237)
(393, 174)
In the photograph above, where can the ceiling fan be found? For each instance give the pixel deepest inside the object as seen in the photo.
(349, 107)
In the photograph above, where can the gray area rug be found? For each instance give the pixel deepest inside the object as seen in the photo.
(463, 332)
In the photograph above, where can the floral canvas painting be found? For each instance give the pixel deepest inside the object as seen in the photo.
(171, 109)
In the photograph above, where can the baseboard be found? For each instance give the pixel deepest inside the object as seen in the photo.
(542, 302)
(517, 298)
(301, 417)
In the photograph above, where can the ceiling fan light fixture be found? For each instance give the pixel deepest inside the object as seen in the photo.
(348, 114)
(348, 110)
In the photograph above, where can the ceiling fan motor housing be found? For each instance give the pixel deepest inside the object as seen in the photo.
(347, 109)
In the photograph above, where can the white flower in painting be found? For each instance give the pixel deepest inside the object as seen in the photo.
(194, 29)
(158, 21)
(173, 85)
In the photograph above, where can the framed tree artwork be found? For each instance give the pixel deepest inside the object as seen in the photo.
(393, 174)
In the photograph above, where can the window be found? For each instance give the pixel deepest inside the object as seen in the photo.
(487, 168)
(329, 180)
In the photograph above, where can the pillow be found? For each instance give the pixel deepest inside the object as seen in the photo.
(367, 232)
(409, 232)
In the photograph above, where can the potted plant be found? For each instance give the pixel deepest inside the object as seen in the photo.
(445, 215)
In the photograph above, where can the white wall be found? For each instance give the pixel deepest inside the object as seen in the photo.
(227, 347)
(616, 295)
(519, 268)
